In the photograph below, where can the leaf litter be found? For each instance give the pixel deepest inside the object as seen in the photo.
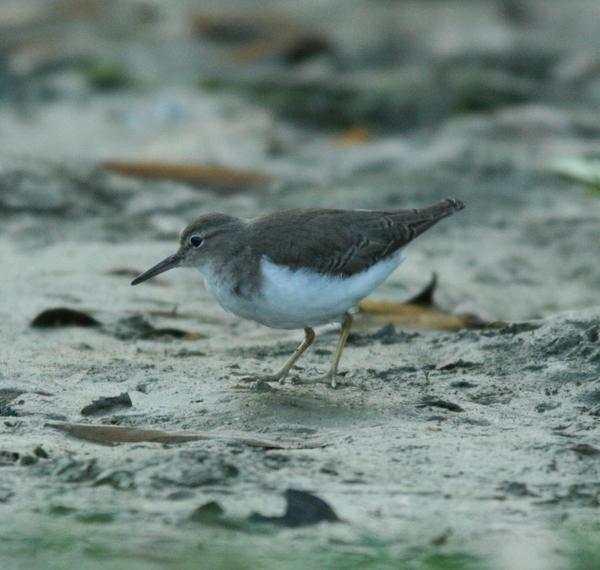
(118, 434)
(63, 317)
(419, 311)
(107, 405)
(216, 177)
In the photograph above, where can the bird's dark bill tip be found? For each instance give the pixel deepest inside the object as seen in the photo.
(166, 264)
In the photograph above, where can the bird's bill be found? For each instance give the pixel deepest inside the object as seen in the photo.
(166, 264)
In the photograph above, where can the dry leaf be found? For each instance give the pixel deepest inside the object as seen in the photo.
(432, 401)
(302, 509)
(173, 333)
(410, 315)
(107, 404)
(424, 297)
(217, 177)
(119, 434)
(137, 327)
(63, 317)
(418, 311)
(354, 135)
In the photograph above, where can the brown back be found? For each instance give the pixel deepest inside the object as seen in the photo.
(341, 242)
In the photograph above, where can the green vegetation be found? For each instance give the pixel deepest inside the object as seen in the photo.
(106, 75)
(67, 544)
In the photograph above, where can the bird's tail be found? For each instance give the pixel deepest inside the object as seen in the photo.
(419, 220)
(441, 209)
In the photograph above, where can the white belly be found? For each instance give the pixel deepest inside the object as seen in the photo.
(299, 299)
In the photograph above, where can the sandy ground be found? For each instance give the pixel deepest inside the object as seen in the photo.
(480, 441)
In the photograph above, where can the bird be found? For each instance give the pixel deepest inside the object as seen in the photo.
(299, 268)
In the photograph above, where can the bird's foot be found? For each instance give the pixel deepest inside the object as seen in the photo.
(261, 382)
(261, 378)
(329, 379)
(255, 386)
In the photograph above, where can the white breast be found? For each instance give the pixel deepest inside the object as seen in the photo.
(303, 298)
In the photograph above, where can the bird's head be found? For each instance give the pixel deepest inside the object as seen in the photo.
(198, 242)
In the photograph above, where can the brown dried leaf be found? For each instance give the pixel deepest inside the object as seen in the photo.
(354, 135)
(410, 315)
(173, 333)
(119, 434)
(217, 177)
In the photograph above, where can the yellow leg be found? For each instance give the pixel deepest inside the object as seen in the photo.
(309, 337)
(280, 375)
(330, 377)
(344, 332)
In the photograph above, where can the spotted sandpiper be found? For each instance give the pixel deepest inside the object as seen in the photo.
(299, 268)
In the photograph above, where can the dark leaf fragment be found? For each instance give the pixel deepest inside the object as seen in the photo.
(108, 404)
(63, 317)
(463, 384)
(456, 363)
(302, 509)
(424, 298)
(207, 513)
(6, 410)
(306, 47)
(430, 401)
(8, 457)
(137, 327)
(40, 452)
(585, 449)
(516, 489)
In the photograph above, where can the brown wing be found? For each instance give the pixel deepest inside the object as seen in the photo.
(341, 242)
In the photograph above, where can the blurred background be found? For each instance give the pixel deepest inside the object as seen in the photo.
(121, 121)
(137, 115)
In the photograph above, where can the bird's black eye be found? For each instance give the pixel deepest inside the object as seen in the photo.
(196, 241)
